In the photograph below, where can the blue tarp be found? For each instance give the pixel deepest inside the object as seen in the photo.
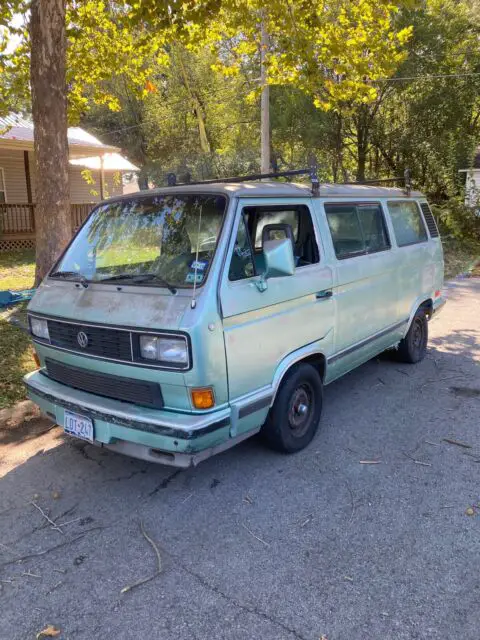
(13, 297)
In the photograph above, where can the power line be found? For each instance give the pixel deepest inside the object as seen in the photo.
(427, 77)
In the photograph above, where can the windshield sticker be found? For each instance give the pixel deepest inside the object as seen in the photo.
(190, 279)
(242, 253)
(200, 265)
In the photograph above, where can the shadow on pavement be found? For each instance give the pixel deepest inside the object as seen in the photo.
(256, 544)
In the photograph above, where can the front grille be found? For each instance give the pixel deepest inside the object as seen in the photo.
(141, 392)
(429, 219)
(106, 343)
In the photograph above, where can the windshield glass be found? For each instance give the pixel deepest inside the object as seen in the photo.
(149, 241)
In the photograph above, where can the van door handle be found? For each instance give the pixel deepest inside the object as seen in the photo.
(323, 295)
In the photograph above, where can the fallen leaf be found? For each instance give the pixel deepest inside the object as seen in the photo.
(36, 496)
(470, 511)
(56, 495)
(49, 632)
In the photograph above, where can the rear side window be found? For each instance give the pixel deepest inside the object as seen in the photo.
(407, 222)
(357, 229)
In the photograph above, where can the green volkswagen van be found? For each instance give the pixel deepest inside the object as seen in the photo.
(181, 321)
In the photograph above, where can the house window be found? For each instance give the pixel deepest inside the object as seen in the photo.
(3, 192)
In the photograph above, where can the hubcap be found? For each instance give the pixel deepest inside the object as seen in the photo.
(300, 409)
(417, 337)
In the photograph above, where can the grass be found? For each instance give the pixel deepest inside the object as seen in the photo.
(16, 356)
(460, 255)
(17, 270)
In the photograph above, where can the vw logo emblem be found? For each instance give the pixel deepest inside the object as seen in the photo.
(82, 339)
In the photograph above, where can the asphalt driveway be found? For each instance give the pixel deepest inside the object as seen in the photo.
(254, 544)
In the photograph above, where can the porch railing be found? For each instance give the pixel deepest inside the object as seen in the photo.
(19, 218)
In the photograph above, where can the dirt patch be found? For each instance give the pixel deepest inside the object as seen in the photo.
(21, 422)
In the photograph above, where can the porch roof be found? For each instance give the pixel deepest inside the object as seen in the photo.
(17, 132)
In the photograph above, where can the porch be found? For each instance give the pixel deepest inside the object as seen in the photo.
(17, 223)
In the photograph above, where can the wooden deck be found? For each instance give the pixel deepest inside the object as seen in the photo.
(17, 223)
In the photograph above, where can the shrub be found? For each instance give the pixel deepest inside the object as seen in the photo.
(456, 219)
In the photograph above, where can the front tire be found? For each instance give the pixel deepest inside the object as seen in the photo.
(413, 347)
(294, 417)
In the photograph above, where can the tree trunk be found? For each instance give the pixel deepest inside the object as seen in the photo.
(49, 109)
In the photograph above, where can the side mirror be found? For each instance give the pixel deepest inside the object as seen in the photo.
(279, 261)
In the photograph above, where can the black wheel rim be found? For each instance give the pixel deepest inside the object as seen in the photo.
(418, 336)
(300, 409)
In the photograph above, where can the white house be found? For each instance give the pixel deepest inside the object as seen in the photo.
(472, 183)
(104, 178)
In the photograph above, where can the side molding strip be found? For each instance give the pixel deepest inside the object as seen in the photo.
(366, 341)
(254, 406)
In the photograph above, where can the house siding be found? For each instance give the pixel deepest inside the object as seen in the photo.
(472, 187)
(81, 191)
(11, 161)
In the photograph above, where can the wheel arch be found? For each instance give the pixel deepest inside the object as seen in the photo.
(420, 303)
(309, 355)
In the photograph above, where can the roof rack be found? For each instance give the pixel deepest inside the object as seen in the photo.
(311, 171)
(406, 180)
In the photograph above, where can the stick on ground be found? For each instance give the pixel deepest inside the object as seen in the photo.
(255, 536)
(159, 563)
(457, 443)
(45, 551)
(49, 520)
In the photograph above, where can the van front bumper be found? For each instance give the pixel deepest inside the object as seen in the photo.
(177, 439)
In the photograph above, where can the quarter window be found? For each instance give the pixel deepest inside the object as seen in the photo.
(407, 222)
(357, 229)
(241, 265)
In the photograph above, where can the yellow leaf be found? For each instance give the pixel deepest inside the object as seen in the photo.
(470, 511)
(49, 632)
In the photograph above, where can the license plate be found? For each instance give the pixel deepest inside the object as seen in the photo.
(78, 426)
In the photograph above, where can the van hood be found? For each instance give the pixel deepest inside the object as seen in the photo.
(142, 307)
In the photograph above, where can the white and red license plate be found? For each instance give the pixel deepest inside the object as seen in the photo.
(78, 426)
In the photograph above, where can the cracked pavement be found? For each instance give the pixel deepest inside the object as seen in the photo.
(259, 545)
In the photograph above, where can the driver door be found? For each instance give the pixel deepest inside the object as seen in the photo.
(262, 327)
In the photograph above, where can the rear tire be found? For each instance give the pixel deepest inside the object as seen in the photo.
(413, 347)
(294, 417)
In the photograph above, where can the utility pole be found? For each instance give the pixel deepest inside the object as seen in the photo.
(265, 104)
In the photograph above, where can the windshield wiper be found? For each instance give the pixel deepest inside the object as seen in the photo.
(139, 278)
(70, 275)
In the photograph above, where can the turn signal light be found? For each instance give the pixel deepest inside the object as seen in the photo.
(37, 360)
(203, 398)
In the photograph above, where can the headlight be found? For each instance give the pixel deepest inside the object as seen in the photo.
(39, 328)
(164, 349)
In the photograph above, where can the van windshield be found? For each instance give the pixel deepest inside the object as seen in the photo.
(149, 241)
